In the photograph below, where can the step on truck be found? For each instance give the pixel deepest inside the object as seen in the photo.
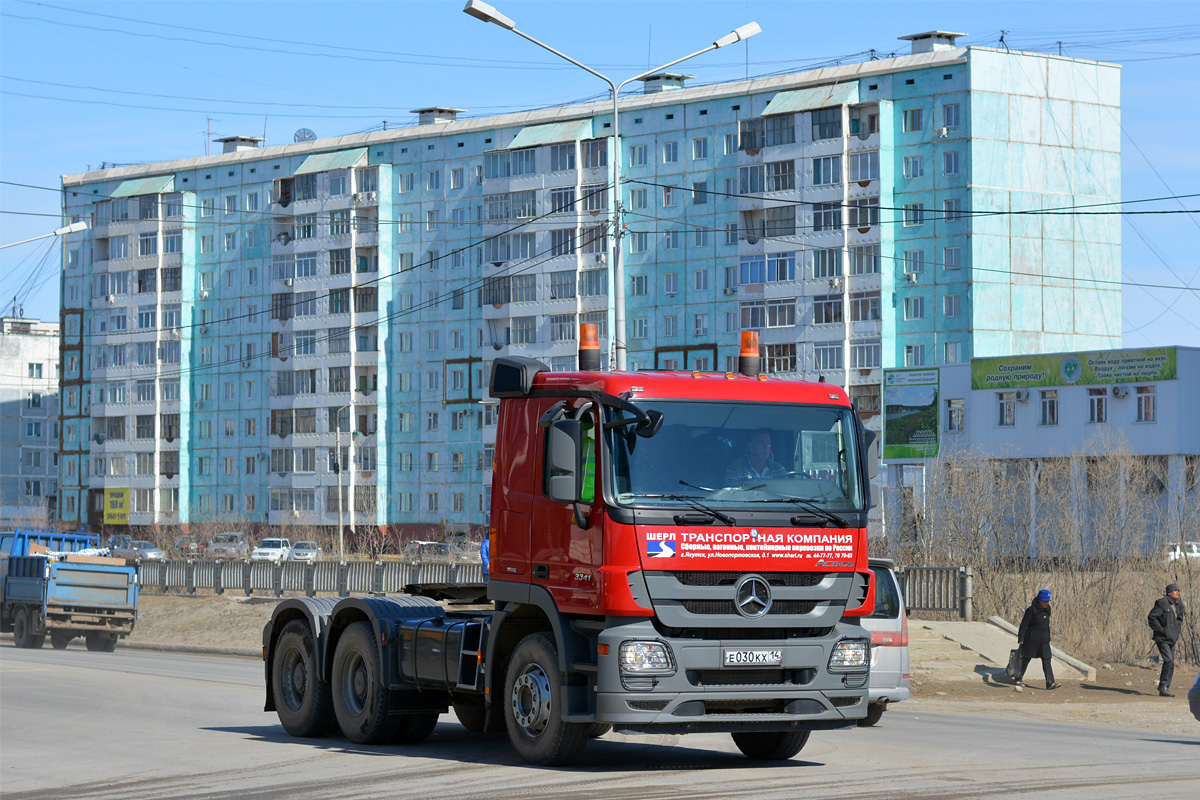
(670, 553)
(56, 584)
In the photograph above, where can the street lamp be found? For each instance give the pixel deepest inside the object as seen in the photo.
(74, 227)
(341, 466)
(485, 12)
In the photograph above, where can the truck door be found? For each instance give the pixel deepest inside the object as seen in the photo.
(567, 557)
(515, 481)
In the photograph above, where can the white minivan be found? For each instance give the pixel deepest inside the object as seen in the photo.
(890, 671)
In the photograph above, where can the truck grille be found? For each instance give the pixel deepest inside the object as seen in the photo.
(647, 705)
(842, 702)
(801, 579)
(751, 677)
(727, 607)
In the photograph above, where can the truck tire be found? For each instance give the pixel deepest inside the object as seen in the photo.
(101, 642)
(472, 713)
(302, 698)
(874, 714)
(597, 729)
(360, 701)
(60, 639)
(532, 693)
(413, 728)
(771, 745)
(21, 628)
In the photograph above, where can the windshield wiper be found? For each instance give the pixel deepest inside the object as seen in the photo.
(809, 505)
(695, 503)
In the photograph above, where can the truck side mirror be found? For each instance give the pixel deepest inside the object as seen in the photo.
(870, 440)
(564, 477)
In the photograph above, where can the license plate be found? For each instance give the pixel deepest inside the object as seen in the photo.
(751, 658)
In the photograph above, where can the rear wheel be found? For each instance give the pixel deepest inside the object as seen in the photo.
(21, 628)
(360, 701)
(771, 745)
(413, 728)
(60, 639)
(874, 714)
(301, 695)
(533, 692)
(101, 642)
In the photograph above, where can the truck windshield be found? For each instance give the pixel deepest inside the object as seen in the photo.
(731, 455)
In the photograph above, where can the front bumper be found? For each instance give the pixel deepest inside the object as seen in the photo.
(799, 694)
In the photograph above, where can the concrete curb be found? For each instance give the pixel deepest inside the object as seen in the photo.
(175, 648)
(1086, 669)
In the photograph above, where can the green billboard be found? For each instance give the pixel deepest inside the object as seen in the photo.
(1069, 369)
(910, 413)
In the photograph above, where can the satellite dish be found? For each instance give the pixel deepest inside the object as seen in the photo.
(304, 135)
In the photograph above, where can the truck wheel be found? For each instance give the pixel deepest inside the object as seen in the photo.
(21, 628)
(413, 728)
(360, 702)
(533, 691)
(101, 642)
(598, 729)
(301, 695)
(471, 713)
(60, 639)
(771, 745)
(874, 714)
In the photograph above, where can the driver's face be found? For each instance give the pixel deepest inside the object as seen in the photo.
(760, 447)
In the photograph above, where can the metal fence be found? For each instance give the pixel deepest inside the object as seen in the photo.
(292, 577)
(943, 589)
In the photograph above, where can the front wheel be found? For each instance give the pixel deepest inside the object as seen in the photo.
(771, 745)
(360, 701)
(533, 692)
(301, 695)
(874, 714)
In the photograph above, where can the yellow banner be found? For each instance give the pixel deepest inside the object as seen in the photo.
(116, 506)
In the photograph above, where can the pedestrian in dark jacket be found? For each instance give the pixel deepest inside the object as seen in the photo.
(1166, 621)
(1033, 638)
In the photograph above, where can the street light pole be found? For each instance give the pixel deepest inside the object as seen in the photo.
(74, 227)
(340, 467)
(485, 12)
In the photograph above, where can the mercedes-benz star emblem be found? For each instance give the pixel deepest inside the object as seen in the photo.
(752, 596)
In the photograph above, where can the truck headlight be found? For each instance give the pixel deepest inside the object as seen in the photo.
(849, 655)
(646, 658)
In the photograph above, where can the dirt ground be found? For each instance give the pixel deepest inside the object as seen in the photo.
(1124, 695)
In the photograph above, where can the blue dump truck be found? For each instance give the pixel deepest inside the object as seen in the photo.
(53, 584)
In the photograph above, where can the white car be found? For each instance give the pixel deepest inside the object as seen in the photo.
(271, 550)
(1176, 552)
(305, 551)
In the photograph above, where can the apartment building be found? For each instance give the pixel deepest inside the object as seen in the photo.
(28, 421)
(241, 325)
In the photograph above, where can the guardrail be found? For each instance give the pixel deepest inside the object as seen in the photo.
(294, 577)
(947, 589)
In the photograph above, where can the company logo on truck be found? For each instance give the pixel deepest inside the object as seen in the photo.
(660, 544)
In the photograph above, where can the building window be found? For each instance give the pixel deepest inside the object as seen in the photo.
(864, 212)
(914, 355)
(914, 166)
(699, 193)
(956, 416)
(641, 328)
(914, 214)
(1006, 409)
(670, 152)
(731, 233)
(914, 262)
(913, 120)
(864, 306)
(1098, 405)
(950, 115)
(524, 330)
(1146, 406)
(699, 149)
(952, 305)
(950, 162)
(1049, 401)
(562, 327)
(951, 352)
(826, 217)
(865, 398)
(952, 258)
(827, 356)
(562, 157)
(777, 358)
(700, 324)
(864, 166)
(670, 326)
(866, 355)
(827, 309)
(595, 153)
(826, 124)
(914, 308)
(952, 209)
(864, 259)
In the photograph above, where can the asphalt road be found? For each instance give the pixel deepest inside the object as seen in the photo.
(75, 724)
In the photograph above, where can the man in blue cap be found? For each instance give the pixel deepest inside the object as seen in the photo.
(1033, 638)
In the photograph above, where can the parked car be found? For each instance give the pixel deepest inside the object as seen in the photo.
(1177, 551)
(890, 672)
(434, 552)
(229, 545)
(188, 547)
(138, 550)
(305, 551)
(118, 542)
(1194, 698)
(271, 550)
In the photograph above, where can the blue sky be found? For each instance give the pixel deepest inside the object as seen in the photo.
(139, 81)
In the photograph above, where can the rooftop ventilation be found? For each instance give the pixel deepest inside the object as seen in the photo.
(663, 82)
(931, 40)
(432, 116)
(231, 144)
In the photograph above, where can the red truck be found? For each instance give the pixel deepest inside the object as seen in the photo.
(670, 553)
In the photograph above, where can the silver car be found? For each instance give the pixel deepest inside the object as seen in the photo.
(305, 551)
(229, 545)
(138, 550)
(890, 671)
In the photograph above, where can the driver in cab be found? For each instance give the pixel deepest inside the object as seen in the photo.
(757, 463)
